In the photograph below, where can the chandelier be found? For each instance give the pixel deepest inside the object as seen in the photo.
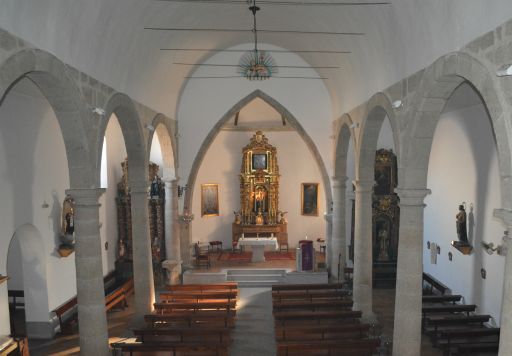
(256, 64)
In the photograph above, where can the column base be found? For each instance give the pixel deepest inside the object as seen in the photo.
(173, 268)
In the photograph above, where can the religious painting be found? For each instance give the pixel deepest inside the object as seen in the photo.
(259, 161)
(309, 202)
(383, 180)
(209, 200)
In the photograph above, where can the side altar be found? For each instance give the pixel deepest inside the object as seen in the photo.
(259, 213)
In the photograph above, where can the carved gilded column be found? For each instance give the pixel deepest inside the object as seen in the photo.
(338, 240)
(142, 261)
(363, 262)
(92, 317)
(407, 327)
(505, 215)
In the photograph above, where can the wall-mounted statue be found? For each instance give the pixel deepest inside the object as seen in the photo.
(67, 236)
(461, 223)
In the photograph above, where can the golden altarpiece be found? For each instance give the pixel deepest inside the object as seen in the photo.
(259, 192)
(156, 203)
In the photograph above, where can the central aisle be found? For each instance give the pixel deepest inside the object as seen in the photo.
(254, 327)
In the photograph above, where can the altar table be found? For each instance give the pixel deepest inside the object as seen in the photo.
(258, 246)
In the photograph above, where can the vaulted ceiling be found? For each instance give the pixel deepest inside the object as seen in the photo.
(107, 39)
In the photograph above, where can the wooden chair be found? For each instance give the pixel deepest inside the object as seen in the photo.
(202, 258)
(283, 246)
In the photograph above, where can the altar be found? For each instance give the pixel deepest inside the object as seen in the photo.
(258, 246)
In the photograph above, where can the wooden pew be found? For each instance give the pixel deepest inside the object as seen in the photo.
(321, 332)
(441, 298)
(204, 287)
(196, 319)
(195, 305)
(468, 348)
(175, 348)
(315, 317)
(310, 294)
(453, 320)
(434, 284)
(363, 347)
(229, 295)
(446, 338)
(277, 288)
(312, 305)
(67, 314)
(184, 334)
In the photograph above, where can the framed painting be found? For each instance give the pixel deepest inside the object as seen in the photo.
(309, 201)
(259, 161)
(209, 200)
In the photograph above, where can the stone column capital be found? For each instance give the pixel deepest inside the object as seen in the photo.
(139, 187)
(339, 182)
(505, 215)
(412, 196)
(86, 196)
(364, 186)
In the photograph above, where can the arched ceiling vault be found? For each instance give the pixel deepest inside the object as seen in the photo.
(107, 40)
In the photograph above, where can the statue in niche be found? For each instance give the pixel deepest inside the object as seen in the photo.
(383, 245)
(462, 231)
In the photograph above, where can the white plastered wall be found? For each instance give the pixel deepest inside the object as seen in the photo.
(463, 167)
(33, 171)
(115, 154)
(222, 165)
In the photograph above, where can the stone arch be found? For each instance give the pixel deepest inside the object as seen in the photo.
(129, 120)
(438, 83)
(343, 137)
(50, 75)
(166, 136)
(33, 270)
(237, 107)
(377, 109)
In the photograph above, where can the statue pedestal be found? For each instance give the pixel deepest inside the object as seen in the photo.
(173, 268)
(465, 249)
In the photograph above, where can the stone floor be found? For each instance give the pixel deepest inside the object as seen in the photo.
(254, 331)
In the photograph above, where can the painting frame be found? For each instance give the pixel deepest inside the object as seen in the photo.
(259, 160)
(309, 199)
(209, 199)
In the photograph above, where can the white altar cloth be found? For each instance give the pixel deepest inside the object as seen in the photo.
(258, 246)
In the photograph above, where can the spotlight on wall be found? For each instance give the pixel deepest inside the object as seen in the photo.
(149, 127)
(354, 125)
(504, 71)
(99, 111)
(397, 104)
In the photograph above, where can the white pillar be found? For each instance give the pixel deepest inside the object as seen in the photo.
(407, 327)
(92, 317)
(363, 263)
(338, 242)
(172, 237)
(142, 261)
(505, 349)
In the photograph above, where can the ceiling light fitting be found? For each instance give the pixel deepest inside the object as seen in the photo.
(504, 71)
(256, 65)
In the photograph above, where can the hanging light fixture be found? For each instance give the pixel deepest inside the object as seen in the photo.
(256, 64)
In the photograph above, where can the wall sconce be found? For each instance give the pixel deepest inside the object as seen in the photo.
(182, 190)
(186, 217)
(397, 104)
(500, 249)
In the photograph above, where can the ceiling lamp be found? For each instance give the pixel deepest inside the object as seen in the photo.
(256, 64)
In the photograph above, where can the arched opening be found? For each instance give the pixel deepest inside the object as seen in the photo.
(26, 267)
(463, 169)
(227, 140)
(33, 180)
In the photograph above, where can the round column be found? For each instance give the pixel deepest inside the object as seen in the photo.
(363, 263)
(92, 317)
(142, 261)
(407, 326)
(338, 241)
(172, 237)
(505, 215)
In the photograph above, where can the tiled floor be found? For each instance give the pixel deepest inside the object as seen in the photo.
(254, 315)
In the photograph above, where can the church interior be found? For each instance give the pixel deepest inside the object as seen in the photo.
(351, 158)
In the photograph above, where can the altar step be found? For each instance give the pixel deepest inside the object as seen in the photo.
(256, 277)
